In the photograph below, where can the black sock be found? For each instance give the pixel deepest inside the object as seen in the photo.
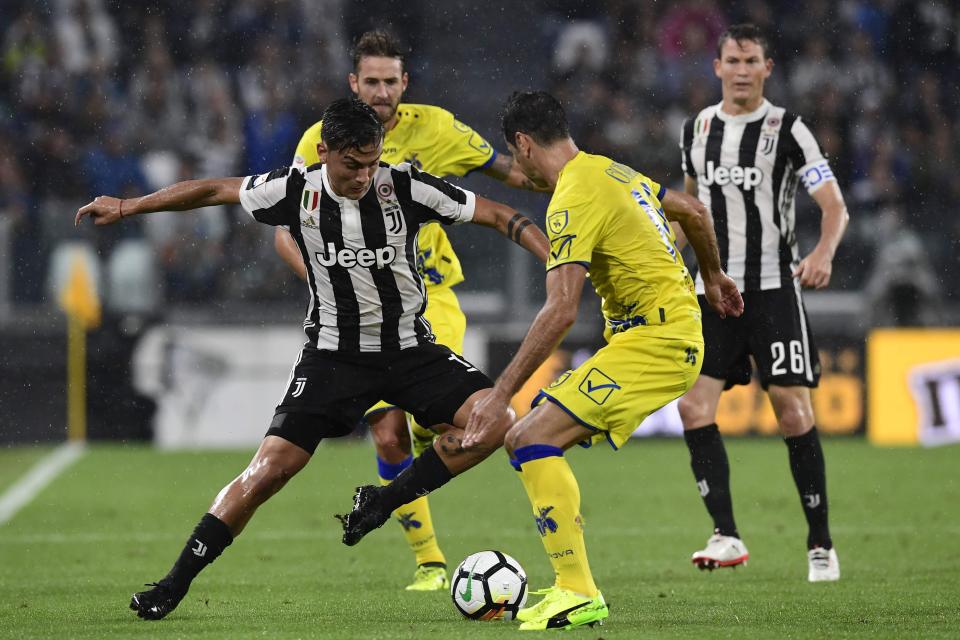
(711, 469)
(428, 472)
(210, 537)
(810, 476)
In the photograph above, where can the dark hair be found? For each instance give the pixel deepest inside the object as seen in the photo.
(535, 113)
(745, 31)
(377, 44)
(349, 123)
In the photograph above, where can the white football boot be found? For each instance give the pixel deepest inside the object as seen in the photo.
(824, 565)
(721, 551)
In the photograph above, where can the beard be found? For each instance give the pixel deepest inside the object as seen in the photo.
(385, 111)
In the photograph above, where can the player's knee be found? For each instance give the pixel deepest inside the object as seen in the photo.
(795, 420)
(517, 436)
(693, 411)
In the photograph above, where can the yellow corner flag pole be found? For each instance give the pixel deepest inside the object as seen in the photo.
(80, 302)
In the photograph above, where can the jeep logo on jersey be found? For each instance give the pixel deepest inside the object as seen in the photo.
(350, 258)
(746, 177)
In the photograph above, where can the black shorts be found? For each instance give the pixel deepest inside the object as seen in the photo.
(329, 391)
(773, 329)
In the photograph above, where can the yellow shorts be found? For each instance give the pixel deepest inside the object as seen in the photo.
(448, 323)
(624, 382)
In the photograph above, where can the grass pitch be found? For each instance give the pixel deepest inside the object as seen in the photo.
(117, 518)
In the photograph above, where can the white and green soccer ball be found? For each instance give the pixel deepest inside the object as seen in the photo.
(489, 585)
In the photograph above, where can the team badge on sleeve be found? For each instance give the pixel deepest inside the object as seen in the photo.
(557, 222)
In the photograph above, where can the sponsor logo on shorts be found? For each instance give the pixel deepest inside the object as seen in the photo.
(598, 386)
(298, 386)
(559, 381)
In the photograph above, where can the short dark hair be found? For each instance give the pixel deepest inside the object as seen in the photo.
(349, 123)
(377, 44)
(535, 113)
(744, 31)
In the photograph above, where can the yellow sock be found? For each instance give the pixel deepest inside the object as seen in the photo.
(421, 437)
(418, 529)
(555, 497)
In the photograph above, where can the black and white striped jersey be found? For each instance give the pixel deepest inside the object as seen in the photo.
(747, 168)
(361, 255)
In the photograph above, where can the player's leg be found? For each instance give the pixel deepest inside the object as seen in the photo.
(391, 439)
(789, 367)
(725, 361)
(536, 444)
(275, 462)
(420, 372)
(794, 412)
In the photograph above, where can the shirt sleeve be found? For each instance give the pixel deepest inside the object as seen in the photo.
(814, 170)
(573, 232)
(273, 198)
(306, 153)
(462, 149)
(437, 199)
(686, 143)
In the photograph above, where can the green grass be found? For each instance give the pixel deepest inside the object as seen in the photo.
(16, 461)
(118, 517)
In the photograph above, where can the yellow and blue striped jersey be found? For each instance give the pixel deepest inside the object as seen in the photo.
(608, 217)
(432, 140)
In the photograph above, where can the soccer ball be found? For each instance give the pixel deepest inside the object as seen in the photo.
(489, 585)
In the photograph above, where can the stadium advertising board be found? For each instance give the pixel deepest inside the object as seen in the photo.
(914, 386)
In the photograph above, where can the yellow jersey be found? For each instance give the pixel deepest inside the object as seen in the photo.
(432, 140)
(608, 218)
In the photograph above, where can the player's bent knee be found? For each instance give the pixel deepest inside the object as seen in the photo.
(693, 412)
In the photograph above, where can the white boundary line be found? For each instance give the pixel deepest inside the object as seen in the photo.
(36, 480)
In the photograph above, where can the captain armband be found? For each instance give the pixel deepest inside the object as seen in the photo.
(816, 175)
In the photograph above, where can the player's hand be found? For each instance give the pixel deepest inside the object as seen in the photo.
(722, 294)
(103, 210)
(815, 270)
(487, 416)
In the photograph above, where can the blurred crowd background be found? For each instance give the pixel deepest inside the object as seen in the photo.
(121, 98)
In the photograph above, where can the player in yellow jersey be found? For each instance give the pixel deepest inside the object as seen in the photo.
(612, 223)
(431, 139)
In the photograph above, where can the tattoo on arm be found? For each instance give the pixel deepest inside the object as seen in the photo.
(500, 167)
(451, 445)
(516, 225)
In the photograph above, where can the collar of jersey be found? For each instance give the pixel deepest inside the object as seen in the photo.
(580, 156)
(329, 189)
(744, 117)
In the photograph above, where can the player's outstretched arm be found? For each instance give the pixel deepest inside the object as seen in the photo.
(182, 196)
(559, 312)
(287, 249)
(513, 225)
(720, 290)
(817, 267)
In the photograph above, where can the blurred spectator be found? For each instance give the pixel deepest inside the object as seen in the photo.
(86, 36)
(902, 290)
(111, 96)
